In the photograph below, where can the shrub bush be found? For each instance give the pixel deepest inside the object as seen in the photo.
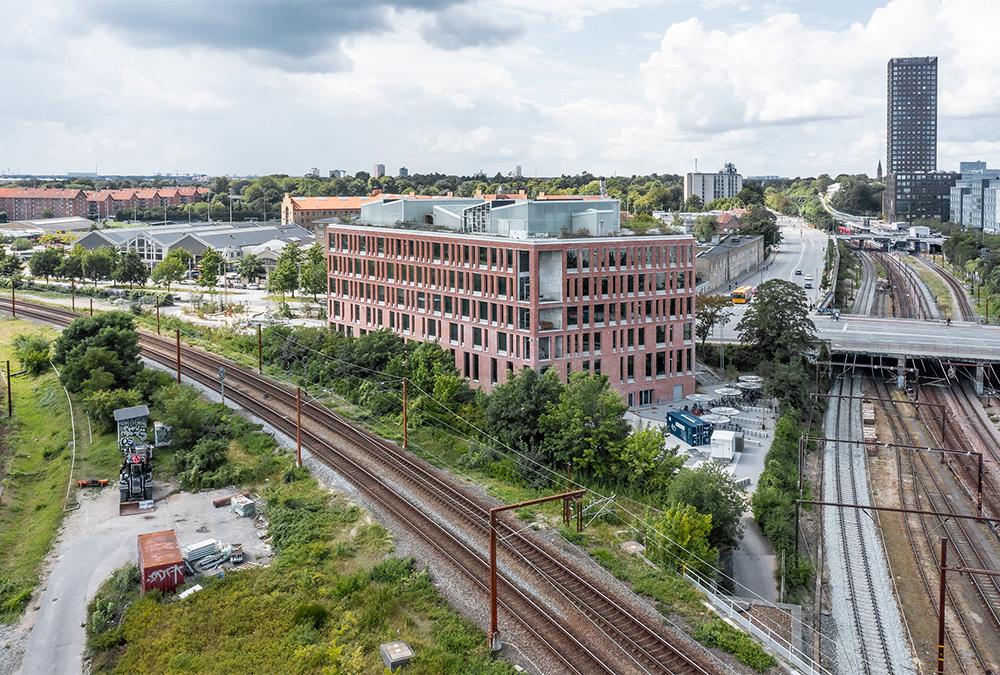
(32, 352)
(311, 615)
(101, 405)
(718, 633)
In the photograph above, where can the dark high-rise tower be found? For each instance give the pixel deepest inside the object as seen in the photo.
(911, 113)
(914, 188)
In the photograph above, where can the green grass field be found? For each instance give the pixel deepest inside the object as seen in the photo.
(35, 466)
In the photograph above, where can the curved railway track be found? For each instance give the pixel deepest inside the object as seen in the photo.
(624, 642)
(966, 312)
(916, 467)
(865, 301)
(909, 299)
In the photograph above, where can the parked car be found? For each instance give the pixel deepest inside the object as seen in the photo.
(798, 272)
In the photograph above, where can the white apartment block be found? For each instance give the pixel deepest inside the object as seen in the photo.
(709, 186)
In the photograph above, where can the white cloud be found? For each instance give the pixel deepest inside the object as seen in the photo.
(701, 82)
(770, 90)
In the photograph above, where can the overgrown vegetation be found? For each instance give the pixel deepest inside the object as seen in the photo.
(800, 197)
(32, 352)
(858, 195)
(848, 277)
(333, 594)
(774, 499)
(34, 465)
(519, 440)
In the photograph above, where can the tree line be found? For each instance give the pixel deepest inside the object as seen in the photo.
(533, 430)
(296, 268)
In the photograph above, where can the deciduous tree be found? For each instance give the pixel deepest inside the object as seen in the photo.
(209, 269)
(250, 267)
(680, 538)
(776, 325)
(131, 269)
(99, 263)
(712, 490)
(44, 263)
(585, 425)
(515, 407)
(169, 271)
(712, 311)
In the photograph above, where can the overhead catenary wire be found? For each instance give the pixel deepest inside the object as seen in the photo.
(545, 472)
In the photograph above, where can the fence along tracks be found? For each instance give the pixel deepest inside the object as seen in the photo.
(581, 624)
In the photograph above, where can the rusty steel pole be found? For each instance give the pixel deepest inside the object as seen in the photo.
(178, 334)
(157, 316)
(13, 302)
(579, 515)
(91, 307)
(72, 294)
(406, 427)
(10, 394)
(298, 425)
(494, 635)
(798, 508)
(941, 599)
(979, 489)
(260, 350)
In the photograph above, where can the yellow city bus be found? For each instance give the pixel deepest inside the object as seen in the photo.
(742, 295)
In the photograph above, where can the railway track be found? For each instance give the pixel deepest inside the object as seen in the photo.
(854, 550)
(966, 312)
(584, 627)
(924, 538)
(909, 299)
(865, 300)
(977, 434)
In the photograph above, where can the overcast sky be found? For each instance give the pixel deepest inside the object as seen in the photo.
(788, 87)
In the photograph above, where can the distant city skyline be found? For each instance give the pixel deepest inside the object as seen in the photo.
(611, 87)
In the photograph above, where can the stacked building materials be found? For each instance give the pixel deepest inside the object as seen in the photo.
(867, 412)
(201, 549)
(243, 506)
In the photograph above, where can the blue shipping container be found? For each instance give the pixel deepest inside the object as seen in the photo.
(689, 428)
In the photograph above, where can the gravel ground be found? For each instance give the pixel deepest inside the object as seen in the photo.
(841, 568)
(13, 641)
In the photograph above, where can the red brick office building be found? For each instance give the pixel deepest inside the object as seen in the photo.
(618, 305)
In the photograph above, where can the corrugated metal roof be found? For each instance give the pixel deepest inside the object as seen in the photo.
(129, 413)
(157, 549)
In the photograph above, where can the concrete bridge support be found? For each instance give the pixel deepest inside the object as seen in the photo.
(901, 372)
(979, 380)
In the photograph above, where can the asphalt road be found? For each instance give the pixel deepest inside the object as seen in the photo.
(911, 336)
(755, 563)
(802, 248)
(94, 542)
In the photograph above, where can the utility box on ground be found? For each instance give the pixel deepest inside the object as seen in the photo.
(689, 428)
(395, 655)
(723, 445)
(160, 563)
